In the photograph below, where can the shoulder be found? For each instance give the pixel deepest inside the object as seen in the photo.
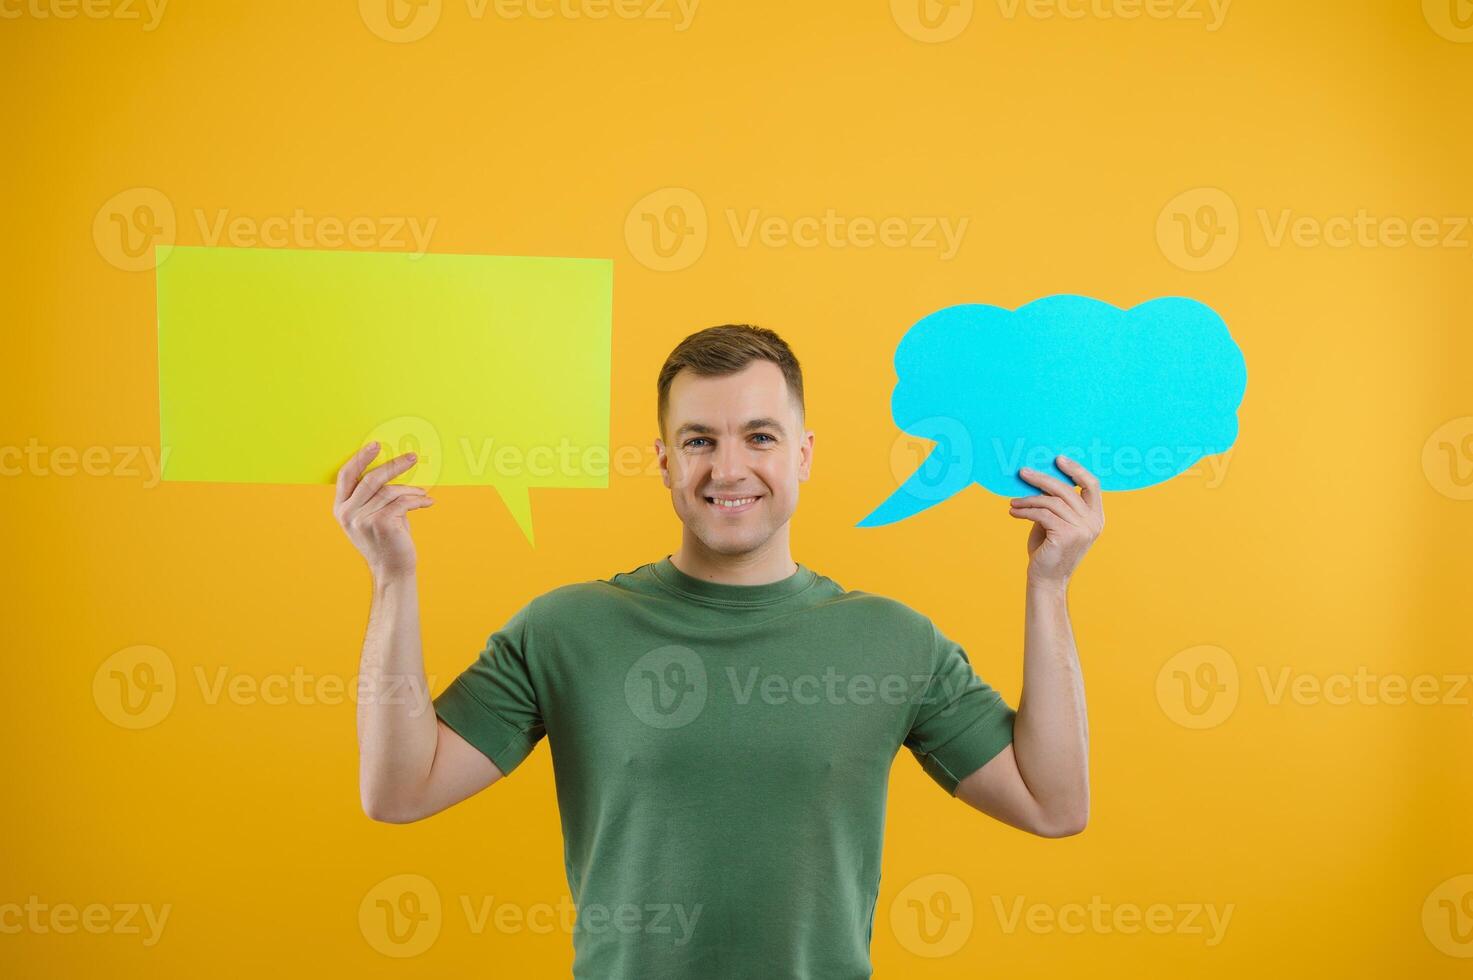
(880, 612)
(577, 598)
(570, 598)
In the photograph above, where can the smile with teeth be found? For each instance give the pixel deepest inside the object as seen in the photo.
(731, 504)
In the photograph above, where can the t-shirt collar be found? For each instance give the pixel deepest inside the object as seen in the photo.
(721, 593)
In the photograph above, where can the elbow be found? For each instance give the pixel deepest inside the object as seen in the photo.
(380, 815)
(1068, 828)
(382, 810)
(1065, 825)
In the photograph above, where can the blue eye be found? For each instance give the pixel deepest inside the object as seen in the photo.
(690, 442)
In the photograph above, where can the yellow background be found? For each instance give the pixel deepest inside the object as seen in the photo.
(1332, 544)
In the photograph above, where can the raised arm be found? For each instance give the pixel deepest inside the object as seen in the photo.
(1040, 783)
(410, 764)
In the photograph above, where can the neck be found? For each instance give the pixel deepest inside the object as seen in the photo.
(770, 562)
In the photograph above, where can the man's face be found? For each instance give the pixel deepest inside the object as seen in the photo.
(734, 437)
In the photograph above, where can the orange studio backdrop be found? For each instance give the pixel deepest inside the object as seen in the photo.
(1275, 644)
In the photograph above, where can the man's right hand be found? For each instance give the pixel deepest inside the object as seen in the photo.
(373, 512)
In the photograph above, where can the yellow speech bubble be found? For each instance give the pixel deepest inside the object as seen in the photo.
(275, 365)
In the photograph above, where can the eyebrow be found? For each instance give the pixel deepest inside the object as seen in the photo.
(701, 428)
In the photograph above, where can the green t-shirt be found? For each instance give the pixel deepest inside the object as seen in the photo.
(722, 756)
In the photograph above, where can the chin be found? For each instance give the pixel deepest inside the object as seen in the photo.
(732, 545)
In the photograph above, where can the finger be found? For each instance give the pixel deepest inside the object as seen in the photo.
(407, 503)
(1048, 503)
(351, 470)
(1039, 515)
(1089, 484)
(387, 495)
(378, 476)
(1054, 486)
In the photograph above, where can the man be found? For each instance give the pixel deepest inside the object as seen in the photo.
(723, 721)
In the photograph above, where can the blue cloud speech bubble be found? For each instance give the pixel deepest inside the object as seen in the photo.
(1136, 396)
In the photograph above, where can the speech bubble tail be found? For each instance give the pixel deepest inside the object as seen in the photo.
(919, 492)
(518, 500)
(897, 507)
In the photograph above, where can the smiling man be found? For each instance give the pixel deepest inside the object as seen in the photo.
(723, 721)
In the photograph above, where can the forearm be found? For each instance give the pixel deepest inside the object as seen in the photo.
(397, 730)
(1051, 731)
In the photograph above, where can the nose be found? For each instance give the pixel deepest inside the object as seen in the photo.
(726, 462)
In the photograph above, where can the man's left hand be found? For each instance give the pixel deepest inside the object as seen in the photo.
(1066, 521)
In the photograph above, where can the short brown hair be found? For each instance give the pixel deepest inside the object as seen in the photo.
(727, 349)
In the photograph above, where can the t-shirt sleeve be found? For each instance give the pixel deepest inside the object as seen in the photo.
(493, 703)
(961, 722)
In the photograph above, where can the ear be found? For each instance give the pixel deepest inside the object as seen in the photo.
(664, 461)
(805, 457)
